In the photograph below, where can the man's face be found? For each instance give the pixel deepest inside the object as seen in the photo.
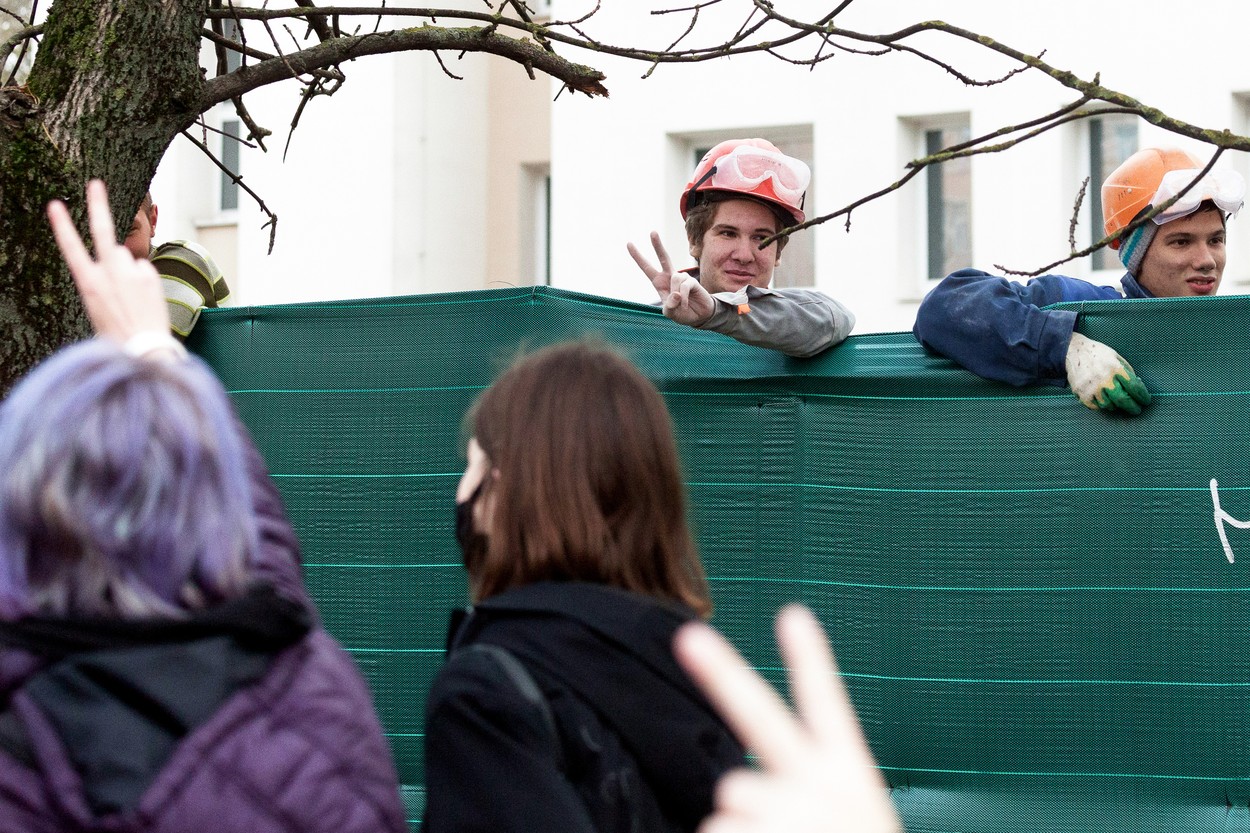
(139, 239)
(1186, 257)
(729, 255)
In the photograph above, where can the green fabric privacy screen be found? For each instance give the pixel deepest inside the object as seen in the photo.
(1041, 610)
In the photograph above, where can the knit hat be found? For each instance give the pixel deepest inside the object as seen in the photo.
(1133, 248)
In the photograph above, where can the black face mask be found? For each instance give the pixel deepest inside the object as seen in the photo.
(472, 543)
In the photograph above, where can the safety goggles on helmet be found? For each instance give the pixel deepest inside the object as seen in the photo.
(745, 168)
(1225, 188)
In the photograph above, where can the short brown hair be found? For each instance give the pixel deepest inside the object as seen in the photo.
(699, 218)
(586, 481)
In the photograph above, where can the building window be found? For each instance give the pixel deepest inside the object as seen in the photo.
(947, 204)
(1112, 139)
(1237, 272)
(536, 223)
(229, 158)
(230, 30)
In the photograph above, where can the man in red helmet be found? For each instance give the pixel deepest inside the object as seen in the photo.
(997, 328)
(743, 192)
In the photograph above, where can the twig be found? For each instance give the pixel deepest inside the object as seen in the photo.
(237, 179)
(251, 52)
(971, 147)
(208, 128)
(254, 130)
(316, 23)
(438, 57)
(28, 35)
(1076, 215)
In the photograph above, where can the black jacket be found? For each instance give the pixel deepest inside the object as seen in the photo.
(635, 746)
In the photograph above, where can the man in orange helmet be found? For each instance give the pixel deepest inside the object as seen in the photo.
(997, 328)
(743, 192)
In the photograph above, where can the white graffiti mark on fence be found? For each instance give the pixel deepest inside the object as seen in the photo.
(1222, 517)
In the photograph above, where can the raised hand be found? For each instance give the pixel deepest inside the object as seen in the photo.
(661, 277)
(817, 774)
(122, 296)
(682, 298)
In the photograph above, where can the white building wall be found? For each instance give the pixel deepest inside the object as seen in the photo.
(397, 184)
(620, 154)
(383, 190)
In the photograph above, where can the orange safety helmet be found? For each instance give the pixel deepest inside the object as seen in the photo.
(1130, 188)
(754, 168)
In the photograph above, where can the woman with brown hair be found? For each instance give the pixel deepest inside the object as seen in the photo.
(561, 706)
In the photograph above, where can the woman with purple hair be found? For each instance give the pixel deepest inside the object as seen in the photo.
(161, 665)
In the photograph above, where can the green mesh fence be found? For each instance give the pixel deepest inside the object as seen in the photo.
(1030, 600)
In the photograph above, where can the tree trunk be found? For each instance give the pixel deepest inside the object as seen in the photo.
(113, 83)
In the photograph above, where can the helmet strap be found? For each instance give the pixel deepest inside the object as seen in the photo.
(690, 203)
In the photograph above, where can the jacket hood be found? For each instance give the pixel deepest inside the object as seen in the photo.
(120, 694)
(613, 648)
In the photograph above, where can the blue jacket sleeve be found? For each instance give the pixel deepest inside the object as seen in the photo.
(997, 328)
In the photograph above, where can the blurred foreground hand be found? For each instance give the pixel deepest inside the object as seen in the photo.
(817, 774)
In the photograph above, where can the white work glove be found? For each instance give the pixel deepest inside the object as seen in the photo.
(1102, 379)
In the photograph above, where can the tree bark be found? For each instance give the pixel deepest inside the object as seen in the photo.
(112, 85)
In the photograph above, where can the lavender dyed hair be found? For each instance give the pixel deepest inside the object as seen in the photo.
(124, 489)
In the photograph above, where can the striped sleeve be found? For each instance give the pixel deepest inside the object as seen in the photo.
(192, 281)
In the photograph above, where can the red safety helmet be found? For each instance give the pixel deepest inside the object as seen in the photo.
(754, 168)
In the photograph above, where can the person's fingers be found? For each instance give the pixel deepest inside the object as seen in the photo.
(819, 697)
(743, 792)
(146, 270)
(721, 823)
(100, 219)
(700, 300)
(666, 265)
(1135, 387)
(67, 240)
(683, 285)
(1118, 397)
(639, 259)
(747, 703)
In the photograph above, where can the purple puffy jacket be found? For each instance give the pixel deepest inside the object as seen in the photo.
(216, 725)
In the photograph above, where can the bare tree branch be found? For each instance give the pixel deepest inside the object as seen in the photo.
(311, 91)
(1076, 214)
(577, 77)
(316, 23)
(971, 147)
(438, 57)
(272, 222)
(24, 37)
(246, 51)
(1093, 89)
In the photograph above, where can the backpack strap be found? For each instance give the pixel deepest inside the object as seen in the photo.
(523, 682)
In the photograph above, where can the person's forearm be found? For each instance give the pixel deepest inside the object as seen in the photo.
(996, 328)
(797, 322)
